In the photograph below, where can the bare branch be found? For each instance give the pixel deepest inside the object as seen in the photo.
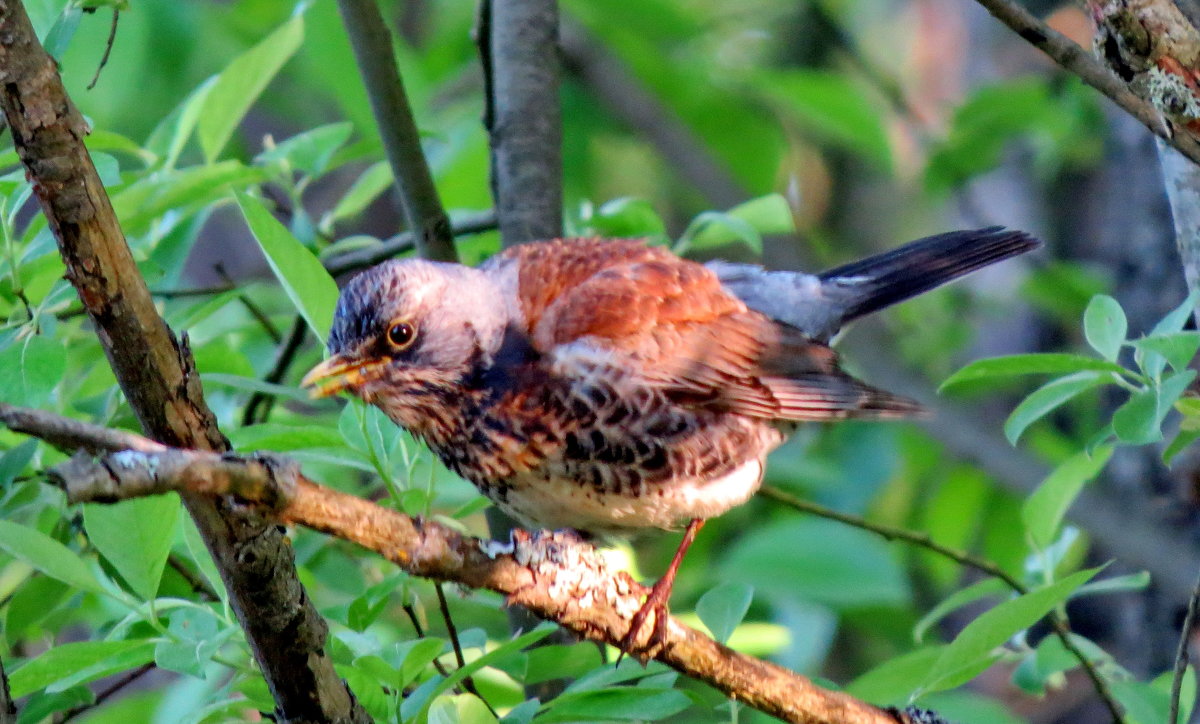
(1079, 61)
(285, 633)
(555, 575)
(518, 41)
(372, 43)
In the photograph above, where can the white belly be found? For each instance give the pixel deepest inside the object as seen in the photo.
(559, 503)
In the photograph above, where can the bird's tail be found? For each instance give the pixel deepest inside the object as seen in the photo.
(885, 279)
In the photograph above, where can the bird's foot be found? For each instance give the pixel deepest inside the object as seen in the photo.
(656, 606)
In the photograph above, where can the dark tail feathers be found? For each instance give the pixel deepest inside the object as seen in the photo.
(885, 279)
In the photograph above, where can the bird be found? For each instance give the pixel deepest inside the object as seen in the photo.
(608, 386)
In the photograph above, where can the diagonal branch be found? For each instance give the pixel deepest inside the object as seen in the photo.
(555, 575)
(157, 374)
(372, 44)
(1068, 54)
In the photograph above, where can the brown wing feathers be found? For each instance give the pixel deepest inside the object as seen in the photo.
(684, 333)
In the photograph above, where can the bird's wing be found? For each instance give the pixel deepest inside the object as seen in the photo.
(671, 323)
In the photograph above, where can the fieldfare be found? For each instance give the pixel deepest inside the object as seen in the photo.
(608, 386)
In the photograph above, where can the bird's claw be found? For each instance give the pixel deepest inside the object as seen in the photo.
(656, 605)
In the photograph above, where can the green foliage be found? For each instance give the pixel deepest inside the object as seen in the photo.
(212, 120)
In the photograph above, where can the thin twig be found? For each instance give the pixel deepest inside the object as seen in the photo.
(108, 46)
(255, 311)
(452, 630)
(8, 708)
(1181, 653)
(354, 260)
(1068, 54)
(194, 291)
(283, 361)
(198, 584)
(376, 58)
(1058, 622)
(107, 693)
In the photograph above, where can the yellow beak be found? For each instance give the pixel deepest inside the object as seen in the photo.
(336, 374)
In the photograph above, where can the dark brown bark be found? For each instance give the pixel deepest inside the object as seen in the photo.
(157, 374)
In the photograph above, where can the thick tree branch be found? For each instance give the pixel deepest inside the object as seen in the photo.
(157, 374)
(518, 43)
(372, 43)
(1079, 61)
(555, 575)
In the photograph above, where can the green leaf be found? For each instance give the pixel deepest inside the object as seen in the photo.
(1028, 364)
(197, 637)
(365, 189)
(1043, 511)
(976, 642)
(714, 228)
(958, 599)
(420, 653)
(627, 216)
(417, 703)
(834, 106)
(768, 214)
(1139, 420)
(32, 602)
(1117, 584)
(819, 561)
(250, 384)
(1178, 317)
(1104, 326)
(47, 555)
(723, 608)
(33, 367)
(135, 536)
(308, 285)
(283, 438)
(15, 460)
(240, 84)
(74, 662)
(1048, 398)
(460, 709)
(1181, 442)
(560, 661)
(311, 151)
(1178, 348)
(616, 704)
(894, 681)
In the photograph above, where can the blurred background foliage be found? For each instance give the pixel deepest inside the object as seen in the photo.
(858, 125)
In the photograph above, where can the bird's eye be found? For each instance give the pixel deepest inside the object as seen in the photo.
(401, 335)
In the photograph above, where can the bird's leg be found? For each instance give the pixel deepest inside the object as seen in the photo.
(656, 600)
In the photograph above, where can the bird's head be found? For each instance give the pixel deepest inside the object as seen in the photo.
(406, 333)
